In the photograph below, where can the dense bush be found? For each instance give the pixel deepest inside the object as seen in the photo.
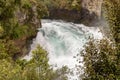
(35, 69)
(112, 15)
(100, 61)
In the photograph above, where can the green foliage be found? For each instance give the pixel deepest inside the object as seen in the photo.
(100, 61)
(7, 9)
(35, 69)
(7, 49)
(8, 70)
(112, 9)
(12, 29)
(42, 9)
(113, 17)
(26, 4)
(40, 61)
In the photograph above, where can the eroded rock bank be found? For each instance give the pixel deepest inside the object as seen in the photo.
(34, 23)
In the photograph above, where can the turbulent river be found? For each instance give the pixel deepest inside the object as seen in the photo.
(63, 41)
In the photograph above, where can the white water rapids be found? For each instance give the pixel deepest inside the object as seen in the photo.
(63, 41)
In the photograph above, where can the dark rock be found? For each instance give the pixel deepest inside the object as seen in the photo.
(64, 14)
(89, 14)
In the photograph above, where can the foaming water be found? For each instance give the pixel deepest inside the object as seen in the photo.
(63, 41)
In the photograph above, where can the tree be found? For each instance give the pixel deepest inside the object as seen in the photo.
(35, 69)
(100, 61)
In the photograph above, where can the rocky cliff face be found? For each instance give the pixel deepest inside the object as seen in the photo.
(91, 11)
(30, 19)
(64, 14)
(93, 6)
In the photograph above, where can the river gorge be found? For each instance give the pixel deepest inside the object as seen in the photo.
(63, 41)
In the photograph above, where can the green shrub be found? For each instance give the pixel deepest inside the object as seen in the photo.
(35, 69)
(100, 61)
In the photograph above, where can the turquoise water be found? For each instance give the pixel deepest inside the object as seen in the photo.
(63, 41)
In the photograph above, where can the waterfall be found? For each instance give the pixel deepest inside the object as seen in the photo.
(63, 41)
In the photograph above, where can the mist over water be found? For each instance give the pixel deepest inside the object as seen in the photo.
(63, 41)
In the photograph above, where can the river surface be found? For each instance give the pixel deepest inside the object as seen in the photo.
(63, 41)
